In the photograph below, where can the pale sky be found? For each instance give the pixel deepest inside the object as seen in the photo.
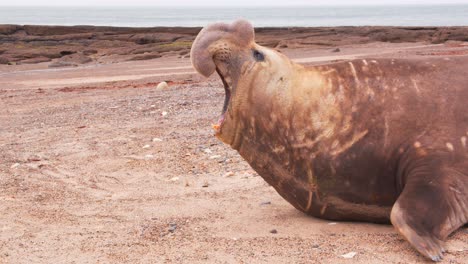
(110, 3)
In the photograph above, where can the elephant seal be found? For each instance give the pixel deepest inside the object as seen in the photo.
(363, 140)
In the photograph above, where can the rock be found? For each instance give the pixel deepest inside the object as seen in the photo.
(205, 184)
(34, 60)
(174, 179)
(4, 60)
(157, 140)
(146, 146)
(162, 86)
(89, 52)
(207, 151)
(58, 64)
(172, 227)
(164, 113)
(215, 157)
(228, 174)
(77, 58)
(336, 50)
(265, 203)
(349, 255)
(274, 231)
(9, 29)
(332, 223)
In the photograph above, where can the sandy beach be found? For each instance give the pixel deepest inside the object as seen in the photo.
(99, 166)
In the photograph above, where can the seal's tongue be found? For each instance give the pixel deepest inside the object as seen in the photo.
(227, 90)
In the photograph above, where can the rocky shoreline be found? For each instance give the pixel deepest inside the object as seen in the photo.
(62, 46)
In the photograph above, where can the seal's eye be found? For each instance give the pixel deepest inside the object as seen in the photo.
(258, 55)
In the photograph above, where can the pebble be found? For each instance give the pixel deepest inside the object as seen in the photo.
(265, 203)
(208, 151)
(174, 179)
(164, 113)
(215, 157)
(157, 140)
(229, 174)
(332, 223)
(162, 86)
(274, 231)
(336, 50)
(146, 146)
(16, 165)
(172, 227)
(205, 185)
(349, 255)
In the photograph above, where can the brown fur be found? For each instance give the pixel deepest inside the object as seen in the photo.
(350, 140)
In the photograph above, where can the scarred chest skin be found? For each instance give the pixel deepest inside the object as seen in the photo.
(337, 157)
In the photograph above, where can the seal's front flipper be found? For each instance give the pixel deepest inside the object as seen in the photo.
(433, 204)
(424, 242)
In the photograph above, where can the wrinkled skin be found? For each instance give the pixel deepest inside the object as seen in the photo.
(365, 140)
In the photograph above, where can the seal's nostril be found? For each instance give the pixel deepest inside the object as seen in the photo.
(258, 55)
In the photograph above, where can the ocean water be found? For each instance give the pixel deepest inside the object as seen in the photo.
(404, 15)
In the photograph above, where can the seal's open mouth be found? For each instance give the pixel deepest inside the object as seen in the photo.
(227, 89)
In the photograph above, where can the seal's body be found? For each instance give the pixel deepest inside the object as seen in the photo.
(374, 140)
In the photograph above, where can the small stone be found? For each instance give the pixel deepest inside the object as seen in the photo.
(207, 151)
(229, 174)
(332, 223)
(162, 86)
(149, 156)
(274, 231)
(215, 157)
(205, 184)
(172, 227)
(265, 203)
(16, 165)
(315, 246)
(146, 146)
(152, 106)
(164, 113)
(174, 179)
(349, 255)
(157, 140)
(336, 50)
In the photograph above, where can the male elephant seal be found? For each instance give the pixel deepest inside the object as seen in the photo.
(363, 140)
